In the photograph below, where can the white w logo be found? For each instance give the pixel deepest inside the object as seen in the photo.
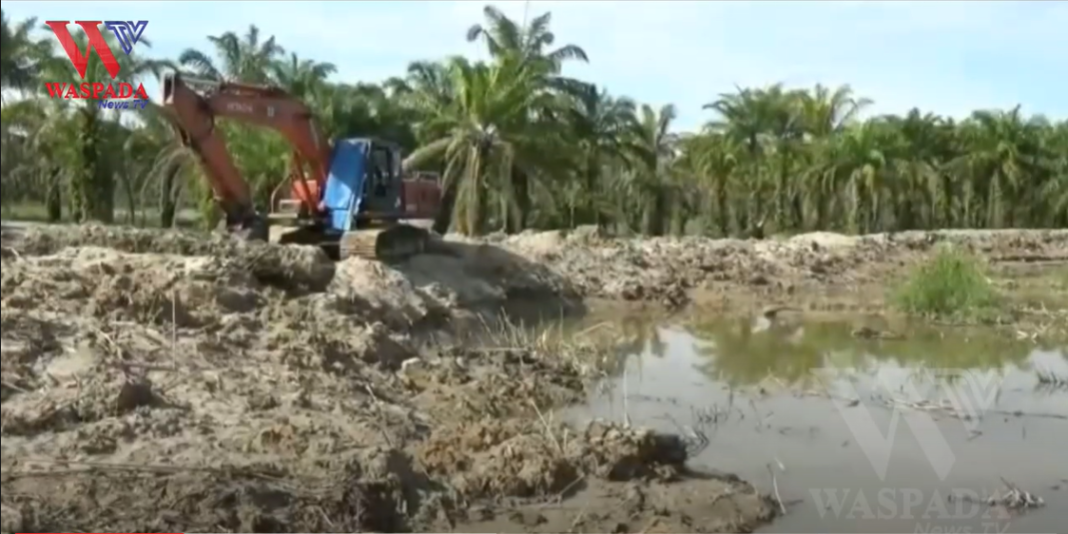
(967, 395)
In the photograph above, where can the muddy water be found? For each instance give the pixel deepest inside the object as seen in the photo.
(783, 399)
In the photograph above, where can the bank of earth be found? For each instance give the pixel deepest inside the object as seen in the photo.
(175, 382)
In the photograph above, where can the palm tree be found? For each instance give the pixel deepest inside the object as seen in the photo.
(652, 152)
(526, 47)
(261, 156)
(20, 54)
(715, 159)
(153, 162)
(504, 38)
(92, 185)
(746, 116)
(1004, 155)
(246, 58)
(825, 112)
(606, 128)
(1052, 201)
(854, 169)
(486, 133)
(924, 191)
(522, 146)
(301, 77)
(36, 154)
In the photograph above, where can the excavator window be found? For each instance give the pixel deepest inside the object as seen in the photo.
(380, 170)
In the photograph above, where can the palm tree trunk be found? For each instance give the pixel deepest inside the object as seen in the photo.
(131, 199)
(655, 214)
(443, 220)
(168, 198)
(782, 193)
(92, 186)
(54, 196)
(521, 185)
(592, 171)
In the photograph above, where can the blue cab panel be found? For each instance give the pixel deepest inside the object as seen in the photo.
(344, 184)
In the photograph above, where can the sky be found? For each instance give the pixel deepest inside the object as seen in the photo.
(947, 57)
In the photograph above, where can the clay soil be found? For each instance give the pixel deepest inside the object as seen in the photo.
(171, 382)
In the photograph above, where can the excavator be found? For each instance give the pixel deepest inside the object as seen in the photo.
(348, 195)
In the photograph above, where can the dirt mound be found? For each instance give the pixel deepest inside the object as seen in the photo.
(669, 269)
(466, 276)
(120, 435)
(515, 475)
(530, 459)
(156, 381)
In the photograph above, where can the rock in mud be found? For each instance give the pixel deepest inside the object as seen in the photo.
(621, 453)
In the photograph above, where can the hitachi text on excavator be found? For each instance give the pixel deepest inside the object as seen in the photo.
(348, 195)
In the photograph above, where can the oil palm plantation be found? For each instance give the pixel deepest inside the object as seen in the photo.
(522, 145)
(486, 135)
(20, 54)
(607, 129)
(91, 174)
(247, 58)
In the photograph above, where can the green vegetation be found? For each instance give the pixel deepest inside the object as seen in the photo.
(1051, 378)
(738, 355)
(523, 146)
(951, 284)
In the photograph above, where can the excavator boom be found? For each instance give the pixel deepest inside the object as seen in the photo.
(194, 114)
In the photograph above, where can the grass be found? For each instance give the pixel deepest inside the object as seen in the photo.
(590, 351)
(1050, 381)
(1049, 377)
(36, 213)
(24, 212)
(953, 284)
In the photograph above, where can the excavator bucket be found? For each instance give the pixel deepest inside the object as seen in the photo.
(395, 243)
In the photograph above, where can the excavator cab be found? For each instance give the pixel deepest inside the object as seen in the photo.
(363, 184)
(364, 199)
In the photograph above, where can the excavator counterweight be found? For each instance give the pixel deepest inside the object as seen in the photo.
(348, 195)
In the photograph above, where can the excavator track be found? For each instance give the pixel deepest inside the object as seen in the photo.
(395, 243)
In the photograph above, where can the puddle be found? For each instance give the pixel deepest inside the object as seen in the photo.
(864, 430)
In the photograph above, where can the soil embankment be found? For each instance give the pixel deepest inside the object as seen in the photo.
(156, 381)
(816, 271)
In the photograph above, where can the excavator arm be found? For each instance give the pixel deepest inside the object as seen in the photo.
(194, 112)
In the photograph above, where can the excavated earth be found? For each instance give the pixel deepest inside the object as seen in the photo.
(815, 271)
(179, 383)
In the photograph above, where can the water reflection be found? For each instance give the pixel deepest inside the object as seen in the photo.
(641, 335)
(682, 373)
(743, 352)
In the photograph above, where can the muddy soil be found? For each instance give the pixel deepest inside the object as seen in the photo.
(817, 273)
(171, 382)
(674, 270)
(167, 382)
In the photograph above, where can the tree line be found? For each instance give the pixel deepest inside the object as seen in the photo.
(520, 145)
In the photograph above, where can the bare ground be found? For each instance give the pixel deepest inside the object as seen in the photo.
(816, 272)
(168, 382)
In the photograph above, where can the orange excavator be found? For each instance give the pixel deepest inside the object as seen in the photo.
(348, 195)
